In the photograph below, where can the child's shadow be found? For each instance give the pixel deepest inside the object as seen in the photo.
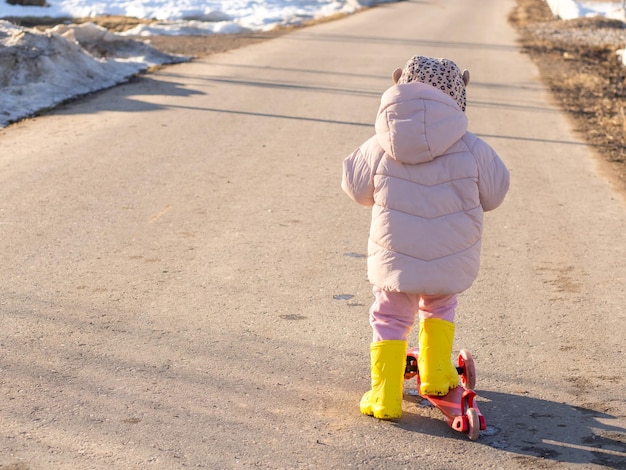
(533, 428)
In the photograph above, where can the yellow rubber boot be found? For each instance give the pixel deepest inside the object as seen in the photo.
(388, 361)
(437, 374)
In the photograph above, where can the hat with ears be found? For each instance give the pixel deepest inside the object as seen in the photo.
(443, 74)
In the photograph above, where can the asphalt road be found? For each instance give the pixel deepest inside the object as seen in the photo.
(183, 281)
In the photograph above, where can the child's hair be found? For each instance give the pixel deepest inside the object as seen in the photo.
(440, 73)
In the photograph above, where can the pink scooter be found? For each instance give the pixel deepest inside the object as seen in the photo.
(458, 406)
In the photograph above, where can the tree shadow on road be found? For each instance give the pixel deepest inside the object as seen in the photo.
(139, 94)
(144, 94)
(535, 429)
(401, 41)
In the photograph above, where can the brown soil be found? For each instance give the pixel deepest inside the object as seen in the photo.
(578, 62)
(193, 46)
(199, 46)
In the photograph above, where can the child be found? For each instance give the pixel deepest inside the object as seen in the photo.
(428, 181)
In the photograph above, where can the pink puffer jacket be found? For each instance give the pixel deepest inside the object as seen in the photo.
(428, 181)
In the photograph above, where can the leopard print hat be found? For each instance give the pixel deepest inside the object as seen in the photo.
(440, 73)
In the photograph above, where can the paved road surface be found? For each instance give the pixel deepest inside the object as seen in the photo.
(183, 285)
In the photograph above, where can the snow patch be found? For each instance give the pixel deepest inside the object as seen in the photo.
(570, 9)
(39, 70)
(564, 9)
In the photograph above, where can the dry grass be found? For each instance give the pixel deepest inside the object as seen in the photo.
(585, 77)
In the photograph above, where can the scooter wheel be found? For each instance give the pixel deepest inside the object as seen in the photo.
(468, 374)
(473, 424)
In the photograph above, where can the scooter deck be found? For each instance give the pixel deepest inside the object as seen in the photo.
(458, 407)
(455, 408)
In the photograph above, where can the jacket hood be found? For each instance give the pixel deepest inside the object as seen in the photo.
(416, 122)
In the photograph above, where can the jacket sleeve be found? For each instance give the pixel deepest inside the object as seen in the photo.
(493, 176)
(358, 174)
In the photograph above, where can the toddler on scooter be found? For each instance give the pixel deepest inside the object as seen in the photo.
(428, 181)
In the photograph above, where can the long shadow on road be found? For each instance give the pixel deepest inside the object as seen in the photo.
(535, 429)
(346, 38)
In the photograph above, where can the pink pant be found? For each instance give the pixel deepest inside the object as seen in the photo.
(392, 314)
